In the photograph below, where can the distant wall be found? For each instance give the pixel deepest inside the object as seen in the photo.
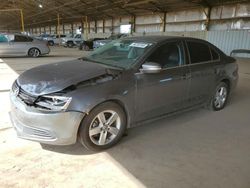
(228, 26)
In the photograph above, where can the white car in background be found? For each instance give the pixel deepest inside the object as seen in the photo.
(72, 41)
(54, 39)
(22, 45)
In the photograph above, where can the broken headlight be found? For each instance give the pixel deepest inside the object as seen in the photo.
(53, 103)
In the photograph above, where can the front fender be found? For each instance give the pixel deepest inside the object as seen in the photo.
(84, 99)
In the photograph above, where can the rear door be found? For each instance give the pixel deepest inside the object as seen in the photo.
(21, 44)
(166, 91)
(202, 70)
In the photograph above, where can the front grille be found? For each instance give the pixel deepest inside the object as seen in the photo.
(23, 95)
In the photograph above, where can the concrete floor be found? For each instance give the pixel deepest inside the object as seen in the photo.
(199, 148)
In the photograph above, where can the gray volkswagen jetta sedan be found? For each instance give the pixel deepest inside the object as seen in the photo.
(94, 99)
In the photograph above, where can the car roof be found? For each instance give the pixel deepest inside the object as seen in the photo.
(159, 38)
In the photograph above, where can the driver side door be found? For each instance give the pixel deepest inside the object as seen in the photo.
(167, 91)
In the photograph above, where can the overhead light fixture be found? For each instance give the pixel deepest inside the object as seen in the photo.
(40, 6)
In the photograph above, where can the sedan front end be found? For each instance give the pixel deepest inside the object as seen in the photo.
(43, 119)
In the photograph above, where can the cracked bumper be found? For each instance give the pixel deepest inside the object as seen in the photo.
(49, 128)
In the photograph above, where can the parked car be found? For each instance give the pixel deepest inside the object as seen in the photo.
(97, 97)
(43, 36)
(72, 41)
(19, 45)
(99, 43)
(54, 39)
(88, 45)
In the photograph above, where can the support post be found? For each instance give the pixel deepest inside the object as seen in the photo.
(63, 27)
(22, 20)
(58, 27)
(86, 28)
(112, 25)
(164, 22)
(72, 29)
(103, 26)
(208, 13)
(134, 25)
(95, 26)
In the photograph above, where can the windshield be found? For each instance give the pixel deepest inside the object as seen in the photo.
(120, 53)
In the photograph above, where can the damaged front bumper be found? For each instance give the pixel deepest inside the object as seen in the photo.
(44, 127)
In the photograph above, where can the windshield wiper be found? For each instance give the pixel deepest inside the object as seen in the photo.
(87, 59)
(108, 65)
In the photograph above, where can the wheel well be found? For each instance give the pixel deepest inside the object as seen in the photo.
(114, 101)
(227, 81)
(121, 104)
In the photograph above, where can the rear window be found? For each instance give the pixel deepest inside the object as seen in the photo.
(21, 38)
(199, 52)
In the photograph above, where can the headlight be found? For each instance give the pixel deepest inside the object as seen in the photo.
(53, 103)
(101, 44)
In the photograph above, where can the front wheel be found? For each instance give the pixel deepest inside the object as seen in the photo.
(34, 52)
(103, 127)
(220, 97)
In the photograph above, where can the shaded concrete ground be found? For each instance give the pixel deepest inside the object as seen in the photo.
(199, 148)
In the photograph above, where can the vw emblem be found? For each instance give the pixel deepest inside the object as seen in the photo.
(16, 91)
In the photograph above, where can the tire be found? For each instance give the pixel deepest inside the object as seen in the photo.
(70, 44)
(80, 47)
(86, 48)
(34, 52)
(51, 43)
(96, 133)
(220, 97)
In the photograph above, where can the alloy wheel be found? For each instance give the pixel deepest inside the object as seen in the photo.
(105, 127)
(34, 52)
(220, 97)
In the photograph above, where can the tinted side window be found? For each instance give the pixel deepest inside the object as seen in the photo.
(198, 52)
(19, 38)
(78, 36)
(215, 54)
(167, 55)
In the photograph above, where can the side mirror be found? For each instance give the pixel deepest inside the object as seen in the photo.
(151, 67)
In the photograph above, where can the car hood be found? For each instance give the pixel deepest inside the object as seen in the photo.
(55, 77)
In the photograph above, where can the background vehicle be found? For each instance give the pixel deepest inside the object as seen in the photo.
(19, 45)
(128, 81)
(72, 41)
(88, 45)
(54, 39)
(99, 43)
(43, 36)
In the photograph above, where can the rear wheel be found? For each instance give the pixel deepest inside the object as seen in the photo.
(220, 97)
(70, 44)
(103, 127)
(34, 52)
(80, 46)
(86, 48)
(51, 43)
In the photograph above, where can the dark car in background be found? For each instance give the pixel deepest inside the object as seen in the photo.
(99, 43)
(88, 44)
(97, 97)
